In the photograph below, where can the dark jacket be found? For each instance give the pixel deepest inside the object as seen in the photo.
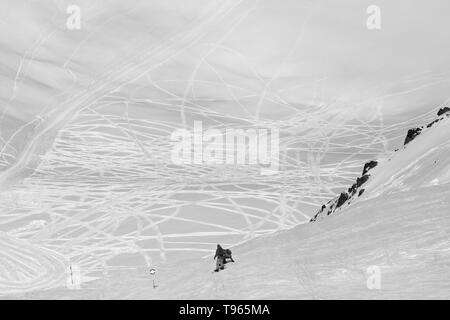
(220, 252)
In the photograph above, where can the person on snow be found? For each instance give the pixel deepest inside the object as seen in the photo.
(220, 255)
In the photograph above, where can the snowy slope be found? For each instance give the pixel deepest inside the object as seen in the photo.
(401, 229)
(406, 235)
(423, 163)
(401, 224)
(86, 117)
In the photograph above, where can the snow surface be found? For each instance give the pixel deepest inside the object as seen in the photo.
(86, 184)
(403, 231)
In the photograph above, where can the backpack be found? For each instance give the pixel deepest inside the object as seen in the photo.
(227, 253)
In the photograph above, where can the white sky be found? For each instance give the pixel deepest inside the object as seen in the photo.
(307, 52)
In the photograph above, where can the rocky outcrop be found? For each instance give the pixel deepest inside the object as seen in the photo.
(369, 165)
(360, 180)
(443, 111)
(414, 132)
(356, 189)
(342, 199)
(345, 197)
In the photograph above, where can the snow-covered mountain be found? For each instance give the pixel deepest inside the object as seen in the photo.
(424, 163)
(398, 228)
(89, 196)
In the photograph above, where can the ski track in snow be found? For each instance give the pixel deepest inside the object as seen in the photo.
(26, 267)
(105, 188)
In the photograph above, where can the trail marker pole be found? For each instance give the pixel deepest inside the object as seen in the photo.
(153, 273)
(74, 277)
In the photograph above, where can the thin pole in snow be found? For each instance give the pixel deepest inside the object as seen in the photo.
(153, 273)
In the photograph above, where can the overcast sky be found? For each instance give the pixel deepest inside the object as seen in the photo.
(306, 52)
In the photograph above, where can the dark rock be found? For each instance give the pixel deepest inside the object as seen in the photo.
(440, 113)
(352, 189)
(361, 192)
(329, 212)
(431, 123)
(412, 134)
(342, 199)
(361, 180)
(443, 110)
(369, 165)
